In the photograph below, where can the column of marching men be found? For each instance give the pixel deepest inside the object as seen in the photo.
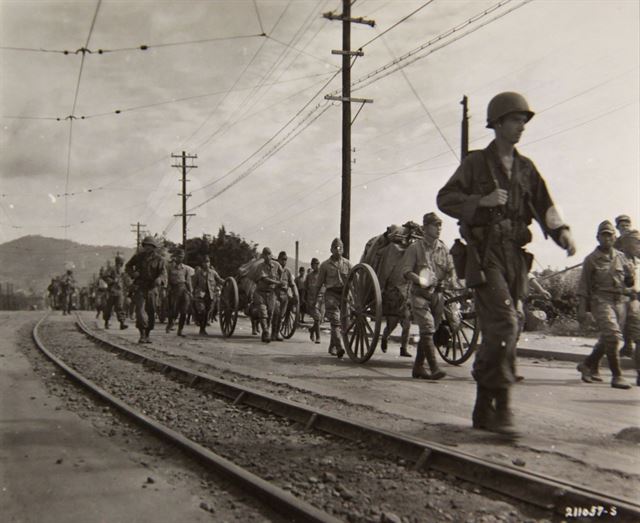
(495, 194)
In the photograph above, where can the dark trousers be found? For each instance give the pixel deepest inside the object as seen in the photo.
(146, 304)
(496, 305)
(179, 303)
(115, 302)
(202, 308)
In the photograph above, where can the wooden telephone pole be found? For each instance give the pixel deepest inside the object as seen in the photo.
(137, 230)
(347, 53)
(184, 193)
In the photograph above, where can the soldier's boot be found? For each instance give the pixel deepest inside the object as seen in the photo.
(203, 330)
(266, 336)
(404, 342)
(180, 327)
(418, 370)
(317, 331)
(617, 381)
(483, 411)
(254, 327)
(312, 332)
(585, 372)
(430, 355)
(339, 345)
(106, 324)
(123, 325)
(146, 337)
(142, 336)
(169, 326)
(383, 343)
(275, 333)
(626, 351)
(503, 420)
(594, 369)
(638, 378)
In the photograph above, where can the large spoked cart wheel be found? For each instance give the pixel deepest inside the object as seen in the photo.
(289, 322)
(229, 301)
(457, 336)
(361, 313)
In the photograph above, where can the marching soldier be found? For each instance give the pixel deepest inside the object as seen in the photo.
(102, 293)
(603, 291)
(300, 281)
(68, 290)
(282, 296)
(179, 291)
(267, 277)
(313, 305)
(147, 269)
(115, 279)
(333, 275)
(205, 282)
(495, 194)
(427, 265)
(395, 289)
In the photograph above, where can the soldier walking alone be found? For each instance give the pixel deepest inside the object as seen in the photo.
(495, 194)
(147, 269)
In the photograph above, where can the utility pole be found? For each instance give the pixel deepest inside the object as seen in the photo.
(136, 230)
(297, 259)
(347, 20)
(184, 193)
(464, 139)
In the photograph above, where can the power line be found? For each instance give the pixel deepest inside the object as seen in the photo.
(258, 16)
(422, 104)
(73, 110)
(142, 47)
(397, 24)
(384, 71)
(274, 135)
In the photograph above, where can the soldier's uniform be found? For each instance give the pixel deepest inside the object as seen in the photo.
(311, 291)
(101, 293)
(497, 233)
(266, 274)
(300, 285)
(205, 282)
(68, 290)
(333, 275)
(179, 293)
(282, 296)
(603, 290)
(395, 290)
(115, 279)
(148, 270)
(429, 259)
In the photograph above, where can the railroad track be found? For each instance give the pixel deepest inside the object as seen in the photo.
(552, 495)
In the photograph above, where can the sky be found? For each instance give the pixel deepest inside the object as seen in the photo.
(88, 137)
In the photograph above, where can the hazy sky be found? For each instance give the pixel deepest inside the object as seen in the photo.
(244, 104)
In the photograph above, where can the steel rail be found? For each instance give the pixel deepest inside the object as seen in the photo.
(278, 499)
(541, 490)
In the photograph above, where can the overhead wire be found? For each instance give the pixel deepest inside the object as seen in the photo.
(404, 19)
(73, 109)
(211, 136)
(422, 104)
(258, 16)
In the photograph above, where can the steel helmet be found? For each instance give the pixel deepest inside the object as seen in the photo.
(150, 240)
(505, 103)
(119, 258)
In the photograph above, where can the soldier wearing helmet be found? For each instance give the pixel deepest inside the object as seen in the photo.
(495, 194)
(148, 270)
(314, 305)
(115, 277)
(333, 275)
(604, 289)
(267, 276)
(68, 290)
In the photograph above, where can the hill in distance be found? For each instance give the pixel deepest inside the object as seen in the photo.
(30, 262)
